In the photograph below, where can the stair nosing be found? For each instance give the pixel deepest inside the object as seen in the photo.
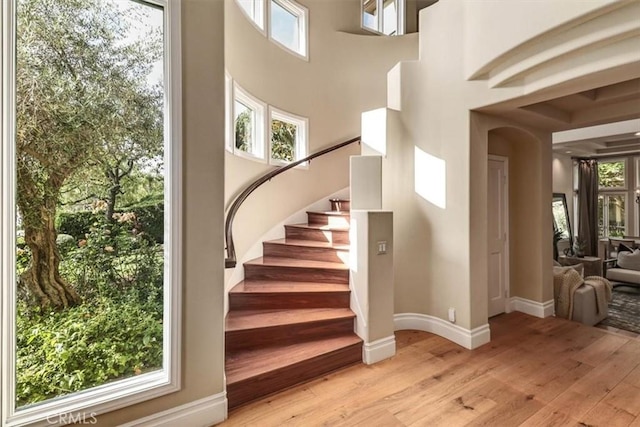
(322, 227)
(315, 244)
(346, 313)
(281, 262)
(294, 288)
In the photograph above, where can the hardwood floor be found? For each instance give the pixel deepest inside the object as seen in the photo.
(535, 372)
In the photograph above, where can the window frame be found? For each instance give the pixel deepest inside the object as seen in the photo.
(401, 18)
(241, 95)
(257, 21)
(86, 404)
(301, 149)
(302, 13)
(605, 211)
(229, 102)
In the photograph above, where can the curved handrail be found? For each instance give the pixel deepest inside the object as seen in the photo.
(230, 261)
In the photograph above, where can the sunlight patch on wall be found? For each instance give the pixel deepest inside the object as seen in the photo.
(430, 178)
(374, 130)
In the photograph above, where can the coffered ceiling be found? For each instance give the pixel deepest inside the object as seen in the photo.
(584, 123)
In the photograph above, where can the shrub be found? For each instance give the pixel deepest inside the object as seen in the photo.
(65, 242)
(150, 215)
(150, 218)
(77, 224)
(116, 260)
(62, 352)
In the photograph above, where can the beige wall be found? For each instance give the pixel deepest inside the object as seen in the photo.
(345, 75)
(440, 253)
(528, 197)
(203, 136)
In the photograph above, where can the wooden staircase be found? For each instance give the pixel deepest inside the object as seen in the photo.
(289, 321)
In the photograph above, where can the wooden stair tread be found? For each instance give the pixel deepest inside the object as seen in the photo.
(272, 286)
(322, 227)
(330, 213)
(255, 319)
(310, 243)
(246, 364)
(296, 263)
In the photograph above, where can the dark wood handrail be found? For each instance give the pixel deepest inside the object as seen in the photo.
(230, 261)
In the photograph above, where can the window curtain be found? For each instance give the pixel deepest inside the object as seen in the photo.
(588, 205)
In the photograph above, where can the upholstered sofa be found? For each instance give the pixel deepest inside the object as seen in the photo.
(624, 262)
(625, 267)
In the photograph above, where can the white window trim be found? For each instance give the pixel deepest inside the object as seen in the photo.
(302, 135)
(402, 21)
(228, 113)
(84, 405)
(258, 22)
(303, 28)
(260, 123)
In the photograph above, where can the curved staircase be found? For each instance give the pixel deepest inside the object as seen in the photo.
(289, 321)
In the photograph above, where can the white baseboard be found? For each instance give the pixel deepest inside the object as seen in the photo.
(200, 413)
(378, 350)
(533, 308)
(466, 338)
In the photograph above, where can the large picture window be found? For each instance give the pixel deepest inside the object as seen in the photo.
(90, 205)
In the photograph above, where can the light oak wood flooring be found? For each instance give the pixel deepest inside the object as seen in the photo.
(535, 372)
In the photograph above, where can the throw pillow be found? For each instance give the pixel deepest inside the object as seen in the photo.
(629, 260)
(624, 248)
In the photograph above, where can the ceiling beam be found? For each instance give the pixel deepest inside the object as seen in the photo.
(588, 94)
(618, 90)
(549, 111)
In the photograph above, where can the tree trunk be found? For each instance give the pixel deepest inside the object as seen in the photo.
(42, 278)
(111, 202)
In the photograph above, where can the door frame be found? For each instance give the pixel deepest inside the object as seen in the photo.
(507, 263)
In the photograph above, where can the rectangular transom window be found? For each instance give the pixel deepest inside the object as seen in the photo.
(288, 25)
(390, 21)
(288, 137)
(90, 219)
(612, 174)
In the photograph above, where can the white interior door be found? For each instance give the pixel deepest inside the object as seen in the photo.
(498, 234)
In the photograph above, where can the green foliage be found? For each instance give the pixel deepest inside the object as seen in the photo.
(283, 140)
(150, 218)
(149, 214)
(116, 260)
(116, 333)
(611, 174)
(84, 346)
(244, 130)
(76, 224)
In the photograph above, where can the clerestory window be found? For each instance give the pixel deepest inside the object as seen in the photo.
(288, 23)
(384, 16)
